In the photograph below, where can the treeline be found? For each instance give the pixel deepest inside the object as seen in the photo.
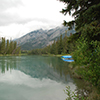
(59, 46)
(9, 47)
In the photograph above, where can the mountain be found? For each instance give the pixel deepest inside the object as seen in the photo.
(41, 38)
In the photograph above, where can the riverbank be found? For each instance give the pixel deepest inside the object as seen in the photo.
(93, 92)
(22, 54)
(10, 54)
(54, 55)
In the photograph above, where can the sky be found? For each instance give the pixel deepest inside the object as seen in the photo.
(19, 17)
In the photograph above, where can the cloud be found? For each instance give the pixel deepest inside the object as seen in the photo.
(7, 17)
(6, 4)
(22, 11)
(17, 17)
(16, 30)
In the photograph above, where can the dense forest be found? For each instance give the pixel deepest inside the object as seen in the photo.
(9, 47)
(87, 22)
(62, 45)
(84, 45)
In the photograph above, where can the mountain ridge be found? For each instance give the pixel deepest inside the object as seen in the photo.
(41, 38)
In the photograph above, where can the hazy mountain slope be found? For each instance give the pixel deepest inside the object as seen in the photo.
(41, 38)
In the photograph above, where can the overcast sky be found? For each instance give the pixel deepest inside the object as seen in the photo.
(18, 17)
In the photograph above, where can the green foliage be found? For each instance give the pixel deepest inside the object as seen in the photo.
(9, 47)
(83, 11)
(53, 49)
(90, 60)
(72, 95)
(61, 46)
(87, 51)
(2, 46)
(87, 54)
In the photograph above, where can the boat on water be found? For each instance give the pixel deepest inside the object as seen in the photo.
(67, 58)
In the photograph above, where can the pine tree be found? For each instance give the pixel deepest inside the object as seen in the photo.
(65, 44)
(7, 47)
(18, 50)
(3, 46)
(60, 45)
(84, 12)
(0, 44)
(56, 49)
(15, 47)
(87, 22)
(52, 50)
(11, 47)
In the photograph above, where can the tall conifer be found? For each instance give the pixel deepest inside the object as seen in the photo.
(3, 46)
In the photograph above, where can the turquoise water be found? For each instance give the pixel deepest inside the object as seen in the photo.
(34, 78)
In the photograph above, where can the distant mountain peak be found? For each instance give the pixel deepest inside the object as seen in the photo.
(41, 38)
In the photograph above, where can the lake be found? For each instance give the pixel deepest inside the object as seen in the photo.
(34, 78)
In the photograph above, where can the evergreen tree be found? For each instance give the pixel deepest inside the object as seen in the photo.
(15, 47)
(57, 45)
(84, 12)
(60, 45)
(7, 47)
(3, 46)
(54, 48)
(11, 47)
(18, 50)
(47, 50)
(65, 44)
(87, 22)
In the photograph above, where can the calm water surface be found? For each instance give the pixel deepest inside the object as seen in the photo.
(34, 78)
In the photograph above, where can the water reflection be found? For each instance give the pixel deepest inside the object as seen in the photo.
(34, 78)
(16, 85)
(7, 63)
(45, 67)
(17, 77)
(38, 67)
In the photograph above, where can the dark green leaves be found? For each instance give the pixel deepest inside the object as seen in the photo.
(84, 11)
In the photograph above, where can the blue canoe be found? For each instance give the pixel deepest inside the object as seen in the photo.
(67, 58)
